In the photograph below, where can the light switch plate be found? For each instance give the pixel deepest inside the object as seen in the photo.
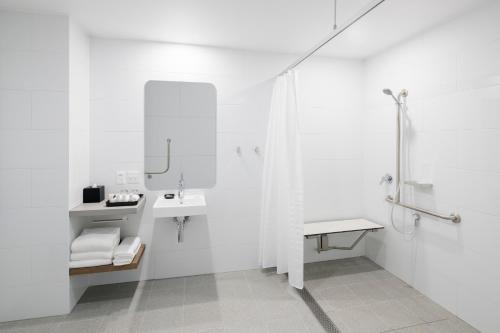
(133, 177)
(121, 177)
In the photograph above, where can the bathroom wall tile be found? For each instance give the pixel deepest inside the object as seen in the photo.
(16, 188)
(13, 302)
(477, 151)
(15, 149)
(17, 268)
(331, 189)
(48, 225)
(15, 109)
(15, 222)
(49, 71)
(49, 300)
(49, 188)
(236, 118)
(474, 236)
(477, 311)
(15, 67)
(242, 257)
(48, 149)
(50, 263)
(118, 146)
(480, 276)
(106, 112)
(49, 110)
(479, 66)
(329, 120)
(196, 175)
(15, 31)
(332, 146)
(50, 32)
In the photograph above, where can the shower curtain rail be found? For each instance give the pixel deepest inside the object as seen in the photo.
(455, 218)
(333, 34)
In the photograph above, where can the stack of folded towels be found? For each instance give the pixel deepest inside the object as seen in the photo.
(101, 246)
(126, 251)
(94, 247)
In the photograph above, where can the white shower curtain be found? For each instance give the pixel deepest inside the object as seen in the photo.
(282, 217)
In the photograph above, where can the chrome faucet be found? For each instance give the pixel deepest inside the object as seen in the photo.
(180, 188)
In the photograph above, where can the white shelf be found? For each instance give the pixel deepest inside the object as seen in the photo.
(100, 209)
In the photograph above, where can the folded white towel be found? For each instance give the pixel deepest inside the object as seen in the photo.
(122, 262)
(91, 255)
(128, 248)
(96, 240)
(126, 251)
(89, 263)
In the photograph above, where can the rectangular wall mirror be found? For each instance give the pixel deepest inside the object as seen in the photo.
(180, 120)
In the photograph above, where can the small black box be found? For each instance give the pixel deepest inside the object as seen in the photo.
(93, 194)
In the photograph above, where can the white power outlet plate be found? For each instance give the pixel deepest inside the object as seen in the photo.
(133, 177)
(121, 177)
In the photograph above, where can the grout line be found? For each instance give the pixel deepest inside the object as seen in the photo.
(416, 325)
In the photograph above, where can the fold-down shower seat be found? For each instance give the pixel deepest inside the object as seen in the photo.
(321, 230)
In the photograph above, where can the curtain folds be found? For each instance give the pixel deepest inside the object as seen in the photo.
(282, 216)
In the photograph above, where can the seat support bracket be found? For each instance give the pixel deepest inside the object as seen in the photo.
(323, 245)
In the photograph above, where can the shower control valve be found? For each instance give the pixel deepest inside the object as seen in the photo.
(387, 178)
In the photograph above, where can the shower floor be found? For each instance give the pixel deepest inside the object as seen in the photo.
(359, 296)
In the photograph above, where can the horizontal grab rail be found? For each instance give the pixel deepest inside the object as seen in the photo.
(455, 218)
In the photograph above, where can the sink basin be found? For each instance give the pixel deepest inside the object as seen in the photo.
(193, 204)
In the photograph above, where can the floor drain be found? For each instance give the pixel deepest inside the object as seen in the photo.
(318, 312)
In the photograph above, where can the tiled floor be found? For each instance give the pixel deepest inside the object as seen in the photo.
(355, 293)
(359, 296)
(249, 301)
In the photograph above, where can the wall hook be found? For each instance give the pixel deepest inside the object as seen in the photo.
(257, 150)
(238, 150)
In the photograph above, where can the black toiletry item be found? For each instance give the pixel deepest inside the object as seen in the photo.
(93, 194)
(169, 196)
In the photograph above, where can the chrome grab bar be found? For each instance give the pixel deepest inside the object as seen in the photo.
(150, 173)
(455, 218)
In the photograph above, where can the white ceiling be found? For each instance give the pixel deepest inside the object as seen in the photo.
(290, 26)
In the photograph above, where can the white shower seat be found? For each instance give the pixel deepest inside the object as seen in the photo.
(321, 230)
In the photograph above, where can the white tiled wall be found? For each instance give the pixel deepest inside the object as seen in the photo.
(79, 136)
(33, 165)
(227, 239)
(452, 74)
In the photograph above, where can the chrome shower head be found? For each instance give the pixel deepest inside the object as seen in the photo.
(389, 92)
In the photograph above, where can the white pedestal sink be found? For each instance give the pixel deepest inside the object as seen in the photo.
(193, 204)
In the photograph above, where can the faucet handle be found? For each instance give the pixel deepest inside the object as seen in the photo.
(387, 178)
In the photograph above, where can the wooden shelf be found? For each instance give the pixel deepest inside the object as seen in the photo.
(110, 268)
(100, 209)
